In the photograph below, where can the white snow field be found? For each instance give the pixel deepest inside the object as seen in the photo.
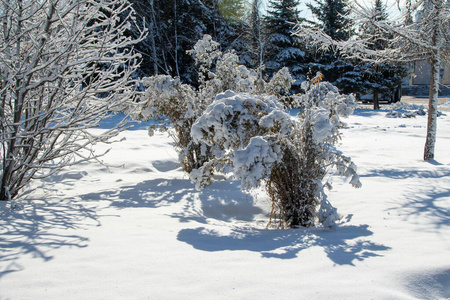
(142, 231)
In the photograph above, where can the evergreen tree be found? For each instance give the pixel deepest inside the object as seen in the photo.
(283, 49)
(333, 16)
(427, 38)
(152, 47)
(380, 78)
(232, 11)
(190, 23)
(229, 25)
(176, 25)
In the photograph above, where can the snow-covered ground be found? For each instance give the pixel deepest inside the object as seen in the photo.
(142, 231)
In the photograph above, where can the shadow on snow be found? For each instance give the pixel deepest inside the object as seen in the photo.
(26, 230)
(407, 173)
(429, 203)
(343, 246)
(40, 226)
(429, 284)
(223, 201)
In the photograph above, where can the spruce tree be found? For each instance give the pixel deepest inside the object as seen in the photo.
(283, 49)
(381, 79)
(229, 25)
(176, 25)
(333, 19)
(232, 11)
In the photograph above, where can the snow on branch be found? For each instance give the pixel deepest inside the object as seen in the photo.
(167, 99)
(404, 43)
(254, 138)
(64, 66)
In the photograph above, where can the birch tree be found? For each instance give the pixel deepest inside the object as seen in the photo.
(256, 35)
(425, 39)
(64, 66)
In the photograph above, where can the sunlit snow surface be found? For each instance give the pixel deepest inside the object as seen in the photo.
(142, 231)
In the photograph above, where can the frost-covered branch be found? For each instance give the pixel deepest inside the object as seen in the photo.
(404, 43)
(64, 66)
(183, 104)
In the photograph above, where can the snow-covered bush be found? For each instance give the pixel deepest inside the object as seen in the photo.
(256, 139)
(241, 130)
(406, 110)
(182, 104)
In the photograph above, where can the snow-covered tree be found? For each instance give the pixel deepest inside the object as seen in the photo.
(283, 49)
(256, 37)
(256, 139)
(379, 78)
(426, 38)
(64, 66)
(182, 104)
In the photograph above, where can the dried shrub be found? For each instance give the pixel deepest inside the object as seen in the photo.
(264, 146)
(177, 106)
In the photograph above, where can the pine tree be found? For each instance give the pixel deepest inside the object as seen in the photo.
(379, 78)
(283, 49)
(175, 26)
(152, 47)
(232, 11)
(229, 24)
(333, 16)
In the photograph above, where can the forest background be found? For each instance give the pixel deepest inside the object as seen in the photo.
(260, 33)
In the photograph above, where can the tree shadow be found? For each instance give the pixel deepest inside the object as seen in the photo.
(366, 112)
(225, 202)
(410, 173)
(222, 201)
(24, 229)
(115, 118)
(146, 194)
(343, 246)
(428, 205)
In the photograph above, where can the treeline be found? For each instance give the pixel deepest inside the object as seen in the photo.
(262, 40)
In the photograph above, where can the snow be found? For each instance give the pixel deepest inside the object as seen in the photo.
(142, 231)
(446, 105)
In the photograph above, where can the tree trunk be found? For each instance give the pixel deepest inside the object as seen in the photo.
(376, 100)
(432, 107)
(176, 37)
(435, 63)
(152, 30)
(10, 149)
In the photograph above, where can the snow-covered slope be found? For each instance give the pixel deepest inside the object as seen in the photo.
(142, 231)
